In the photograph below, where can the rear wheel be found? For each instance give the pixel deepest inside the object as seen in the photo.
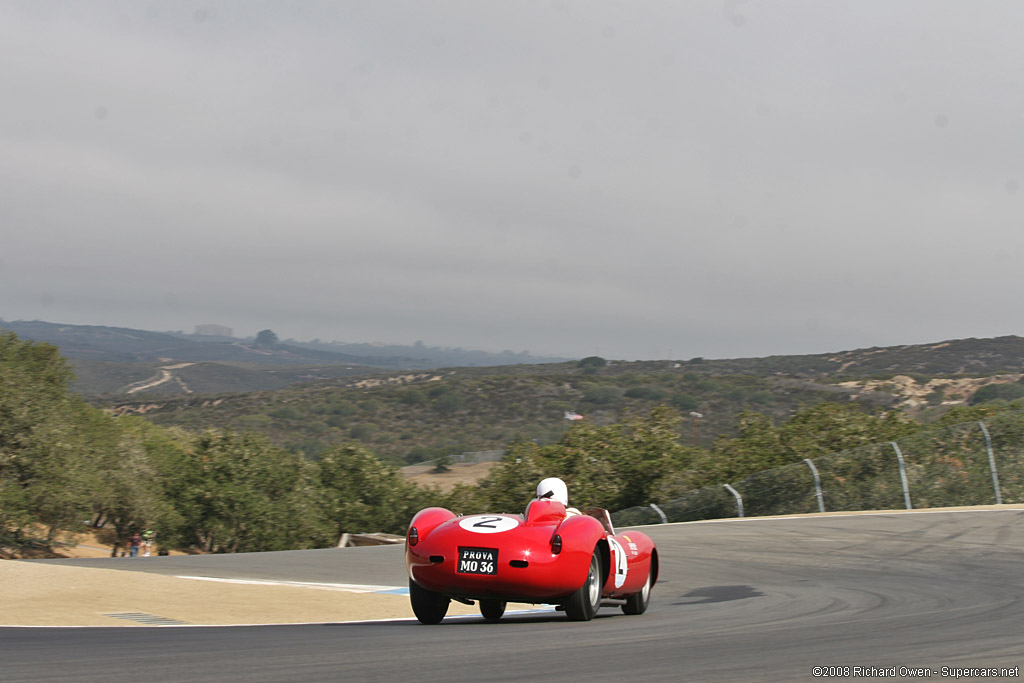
(492, 609)
(637, 602)
(584, 603)
(428, 606)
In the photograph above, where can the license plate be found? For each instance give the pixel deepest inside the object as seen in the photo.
(478, 561)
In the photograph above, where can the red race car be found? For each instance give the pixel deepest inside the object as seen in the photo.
(576, 562)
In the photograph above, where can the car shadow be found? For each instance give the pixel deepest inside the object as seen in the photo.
(509, 620)
(529, 617)
(710, 594)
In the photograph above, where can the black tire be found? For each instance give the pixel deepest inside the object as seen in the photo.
(428, 606)
(584, 603)
(637, 602)
(492, 609)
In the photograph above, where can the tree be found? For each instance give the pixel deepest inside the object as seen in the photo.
(243, 494)
(684, 401)
(59, 473)
(143, 478)
(591, 364)
(266, 339)
(602, 395)
(812, 432)
(45, 474)
(412, 397)
(996, 392)
(449, 403)
(510, 485)
(645, 392)
(614, 466)
(362, 494)
(982, 411)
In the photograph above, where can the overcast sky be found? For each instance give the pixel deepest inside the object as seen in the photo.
(632, 179)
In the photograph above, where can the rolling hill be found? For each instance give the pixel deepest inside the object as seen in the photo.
(412, 416)
(309, 398)
(117, 360)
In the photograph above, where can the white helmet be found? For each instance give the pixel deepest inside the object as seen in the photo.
(553, 488)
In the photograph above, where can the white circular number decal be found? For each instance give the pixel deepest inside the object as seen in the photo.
(621, 567)
(488, 524)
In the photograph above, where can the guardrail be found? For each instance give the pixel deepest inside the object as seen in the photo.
(974, 463)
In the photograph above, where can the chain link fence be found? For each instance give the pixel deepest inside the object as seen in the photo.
(975, 463)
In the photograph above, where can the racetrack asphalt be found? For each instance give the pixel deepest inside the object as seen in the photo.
(752, 600)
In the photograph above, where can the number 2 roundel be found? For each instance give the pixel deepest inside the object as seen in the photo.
(488, 524)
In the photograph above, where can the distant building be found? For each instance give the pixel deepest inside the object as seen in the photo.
(214, 330)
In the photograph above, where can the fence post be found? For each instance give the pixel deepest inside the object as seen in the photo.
(903, 475)
(739, 499)
(817, 484)
(664, 519)
(992, 463)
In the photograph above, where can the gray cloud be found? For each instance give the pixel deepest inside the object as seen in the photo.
(712, 179)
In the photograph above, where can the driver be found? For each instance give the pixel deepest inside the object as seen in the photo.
(554, 488)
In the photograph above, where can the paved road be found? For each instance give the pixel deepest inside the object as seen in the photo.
(759, 600)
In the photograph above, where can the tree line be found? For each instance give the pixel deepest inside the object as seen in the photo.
(64, 463)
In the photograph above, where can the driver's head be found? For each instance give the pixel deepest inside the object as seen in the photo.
(553, 488)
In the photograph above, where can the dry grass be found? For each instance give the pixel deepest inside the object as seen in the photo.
(469, 473)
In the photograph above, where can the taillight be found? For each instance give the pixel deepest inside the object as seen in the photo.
(414, 536)
(556, 544)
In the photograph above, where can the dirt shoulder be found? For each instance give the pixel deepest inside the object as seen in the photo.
(35, 594)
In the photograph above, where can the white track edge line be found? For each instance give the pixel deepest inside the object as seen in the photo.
(395, 620)
(347, 587)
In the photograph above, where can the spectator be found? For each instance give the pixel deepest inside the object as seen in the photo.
(135, 542)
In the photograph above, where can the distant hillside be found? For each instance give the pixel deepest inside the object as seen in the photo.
(433, 355)
(119, 344)
(100, 379)
(115, 360)
(415, 415)
(418, 415)
(309, 396)
(954, 357)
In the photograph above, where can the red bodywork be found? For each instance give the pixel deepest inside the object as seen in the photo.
(528, 568)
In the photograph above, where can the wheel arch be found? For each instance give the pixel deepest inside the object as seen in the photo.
(606, 559)
(428, 519)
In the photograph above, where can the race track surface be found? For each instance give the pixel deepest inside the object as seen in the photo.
(755, 600)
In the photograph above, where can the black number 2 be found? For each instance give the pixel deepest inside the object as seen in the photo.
(487, 522)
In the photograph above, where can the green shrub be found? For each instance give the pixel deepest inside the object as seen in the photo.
(602, 395)
(685, 402)
(286, 413)
(413, 397)
(647, 393)
(361, 431)
(994, 392)
(448, 403)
